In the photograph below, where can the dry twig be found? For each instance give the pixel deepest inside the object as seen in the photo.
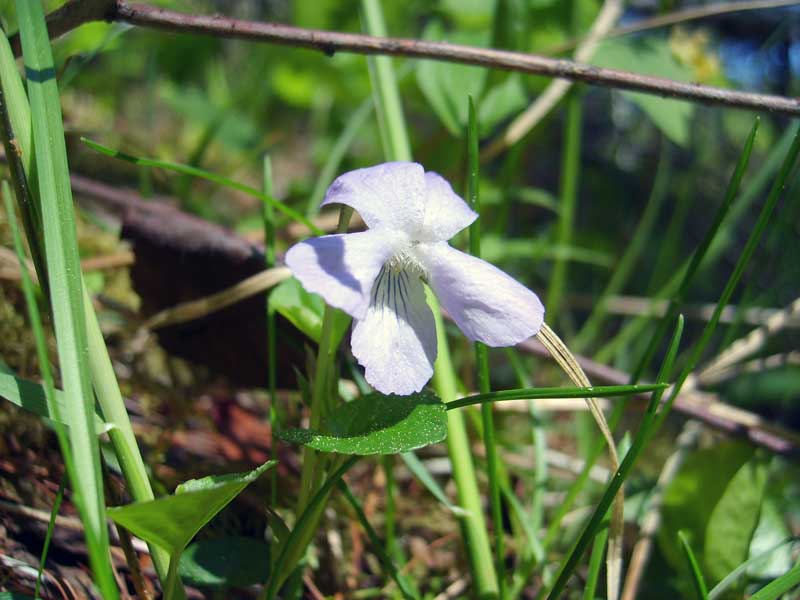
(77, 12)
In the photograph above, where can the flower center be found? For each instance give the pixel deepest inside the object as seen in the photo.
(406, 261)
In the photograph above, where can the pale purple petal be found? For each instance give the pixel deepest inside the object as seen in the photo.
(395, 342)
(389, 195)
(445, 212)
(486, 304)
(342, 268)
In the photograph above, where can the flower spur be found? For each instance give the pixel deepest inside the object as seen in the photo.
(376, 276)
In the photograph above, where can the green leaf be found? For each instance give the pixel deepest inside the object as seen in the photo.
(733, 521)
(30, 396)
(694, 567)
(500, 102)
(304, 310)
(225, 562)
(171, 522)
(651, 57)
(691, 498)
(378, 424)
(447, 85)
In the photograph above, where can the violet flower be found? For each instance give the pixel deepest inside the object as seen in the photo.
(376, 276)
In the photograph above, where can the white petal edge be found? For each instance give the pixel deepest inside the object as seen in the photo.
(395, 342)
(388, 195)
(446, 213)
(488, 305)
(342, 268)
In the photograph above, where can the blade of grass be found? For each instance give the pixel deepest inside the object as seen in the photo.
(732, 577)
(482, 362)
(424, 476)
(697, 576)
(15, 128)
(778, 587)
(203, 174)
(733, 280)
(44, 361)
(268, 216)
(299, 532)
(681, 282)
(385, 91)
(697, 258)
(653, 421)
(51, 525)
(354, 124)
(65, 282)
(599, 391)
(383, 556)
(595, 563)
(644, 434)
(718, 244)
(539, 439)
(593, 325)
(570, 175)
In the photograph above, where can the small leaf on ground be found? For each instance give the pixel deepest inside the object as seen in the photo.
(378, 424)
(171, 522)
(225, 562)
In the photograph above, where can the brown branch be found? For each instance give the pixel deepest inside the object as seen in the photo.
(330, 42)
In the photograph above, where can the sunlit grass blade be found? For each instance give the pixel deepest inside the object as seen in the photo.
(15, 128)
(719, 243)
(733, 280)
(542, 393)
(697, 576)
(203, 174)
(65, 283)
(778, 587)
(385, 558)
(697, 258)
(643, 436)
(482, 361)
(681, 281)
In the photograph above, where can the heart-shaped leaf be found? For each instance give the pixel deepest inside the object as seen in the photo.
(171, 522)
(225, 562)
(378, 424)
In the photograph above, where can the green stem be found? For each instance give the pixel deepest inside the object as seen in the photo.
(473, 524)
(482, 362)
(392, 549)
(268, 216)
(570, 173)
(384, 84)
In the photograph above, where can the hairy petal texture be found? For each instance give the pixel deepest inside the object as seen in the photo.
(395, 342)
(342, 268)
(390, 195)
(445, 212)
(486, 304)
